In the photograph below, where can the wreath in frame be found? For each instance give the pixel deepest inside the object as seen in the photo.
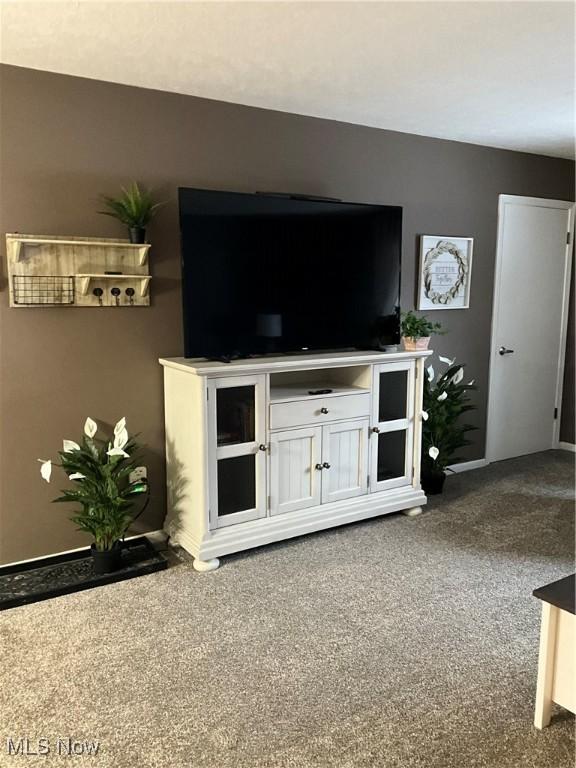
(444, 246)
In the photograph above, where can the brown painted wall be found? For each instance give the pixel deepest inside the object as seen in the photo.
(65, 140)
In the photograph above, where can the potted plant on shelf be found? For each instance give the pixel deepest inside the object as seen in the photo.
(135, 208)
(416, 331)
(100, 470)
(445, 400)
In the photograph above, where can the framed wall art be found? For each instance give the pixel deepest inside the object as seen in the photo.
(445, 270)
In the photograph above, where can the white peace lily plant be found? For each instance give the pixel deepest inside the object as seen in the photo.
(445, 400)
(100, 471)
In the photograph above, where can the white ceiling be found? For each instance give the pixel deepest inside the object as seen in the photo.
(494, 73)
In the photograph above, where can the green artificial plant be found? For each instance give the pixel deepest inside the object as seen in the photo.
(445, 400)
(135, 207)
(99, 470)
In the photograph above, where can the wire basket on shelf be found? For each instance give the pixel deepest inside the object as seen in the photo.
(46, 290)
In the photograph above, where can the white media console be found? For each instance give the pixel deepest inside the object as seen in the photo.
(257, 451)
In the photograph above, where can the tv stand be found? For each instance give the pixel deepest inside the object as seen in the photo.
(252, 457)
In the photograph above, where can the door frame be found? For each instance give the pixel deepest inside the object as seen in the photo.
(503, 201)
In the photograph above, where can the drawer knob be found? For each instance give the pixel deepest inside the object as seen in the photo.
(319, 466)
(323, 410)
(376, 430)
(326, 465)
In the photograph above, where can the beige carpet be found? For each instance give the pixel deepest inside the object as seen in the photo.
(393, 643)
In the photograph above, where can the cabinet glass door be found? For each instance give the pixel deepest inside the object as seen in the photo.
(236, 484)
(238, 461)
(392, 428)
(235, 415)
(392, 395)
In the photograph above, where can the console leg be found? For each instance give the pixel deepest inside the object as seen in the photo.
(205, 565)
(412, 512)
(546, 663)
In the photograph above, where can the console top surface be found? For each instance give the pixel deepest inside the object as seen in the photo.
(272, 363)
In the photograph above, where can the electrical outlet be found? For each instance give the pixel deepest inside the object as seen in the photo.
(137, 474)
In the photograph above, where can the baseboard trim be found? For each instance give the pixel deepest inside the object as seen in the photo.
(562, 446)
(156, 537)
(465, 466)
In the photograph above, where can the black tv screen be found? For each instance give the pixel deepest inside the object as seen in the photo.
(266, 273)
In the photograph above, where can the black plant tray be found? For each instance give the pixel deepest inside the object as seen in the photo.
(62, 574)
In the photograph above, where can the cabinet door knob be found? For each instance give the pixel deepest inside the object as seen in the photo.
(326, 465)
(319, 466)
(262, 447)
(376, 430)
(323, 410)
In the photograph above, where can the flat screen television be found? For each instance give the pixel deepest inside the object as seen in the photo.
(265, 273)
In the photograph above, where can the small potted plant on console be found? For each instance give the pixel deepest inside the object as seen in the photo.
(416, 331)
(99, 470)
(445, 400)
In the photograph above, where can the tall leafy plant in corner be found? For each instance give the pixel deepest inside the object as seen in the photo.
(99, 470)
(446, 400)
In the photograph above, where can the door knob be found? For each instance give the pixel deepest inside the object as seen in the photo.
(323, 410)
(504, 351)
(376, 430)
(319, 466)
(326, 465)
(262, 447)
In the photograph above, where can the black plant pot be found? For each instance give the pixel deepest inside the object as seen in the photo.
(433, 482)
(107, 560)
(137, 235)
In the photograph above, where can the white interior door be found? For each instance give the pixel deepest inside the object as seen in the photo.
(295, 469)
(531, 286)
(344, 460)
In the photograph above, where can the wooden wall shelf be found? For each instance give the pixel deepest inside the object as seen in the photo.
(21, 242)
(142, 280)
(42, 267)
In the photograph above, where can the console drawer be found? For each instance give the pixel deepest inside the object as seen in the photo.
(287, 415)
